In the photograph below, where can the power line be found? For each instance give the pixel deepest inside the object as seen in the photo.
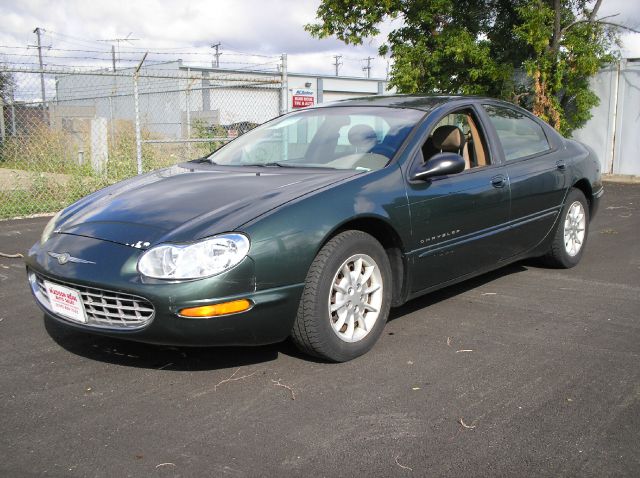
(151, 52)
(127, 39)
(74, 38)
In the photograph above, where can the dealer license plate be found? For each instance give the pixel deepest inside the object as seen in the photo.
(66, 302)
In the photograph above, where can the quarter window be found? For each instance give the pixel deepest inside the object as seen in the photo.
(519, 135)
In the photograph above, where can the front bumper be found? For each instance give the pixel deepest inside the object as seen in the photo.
(268, 321)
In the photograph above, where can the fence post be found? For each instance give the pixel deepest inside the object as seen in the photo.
(188, 108)
(614, 134)
(136, 105)
(2, 134)
(111, 121)
(13, 112)
(284, 91)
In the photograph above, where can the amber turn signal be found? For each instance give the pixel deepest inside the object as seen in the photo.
(215, 310)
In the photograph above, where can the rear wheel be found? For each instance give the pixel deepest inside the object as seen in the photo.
(346, 298)
(571, 232)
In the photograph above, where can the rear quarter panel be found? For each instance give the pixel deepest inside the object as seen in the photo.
(584, 165)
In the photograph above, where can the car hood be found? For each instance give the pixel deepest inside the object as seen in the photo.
(189, 201)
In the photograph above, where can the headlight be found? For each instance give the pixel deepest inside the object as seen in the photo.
(193, 261)
(49, 228)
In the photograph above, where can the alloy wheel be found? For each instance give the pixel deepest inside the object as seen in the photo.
(574, 228)
(355, 299)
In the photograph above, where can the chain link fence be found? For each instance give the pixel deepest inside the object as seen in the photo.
(99, 127)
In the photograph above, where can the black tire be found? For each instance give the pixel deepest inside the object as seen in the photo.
(558, 255)
(313, 330)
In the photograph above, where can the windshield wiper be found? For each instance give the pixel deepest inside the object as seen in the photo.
(270, 165)
(204, 159)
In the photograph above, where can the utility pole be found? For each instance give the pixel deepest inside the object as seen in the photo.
(284, 91)
(368, 67)
(216, 64)
(127, 39)
(38, 31)
(337, 63)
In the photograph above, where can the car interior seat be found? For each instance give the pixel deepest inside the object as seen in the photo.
(450, 139)
(363, 137)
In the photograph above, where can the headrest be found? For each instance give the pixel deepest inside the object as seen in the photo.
(448, 138)
(362, 136)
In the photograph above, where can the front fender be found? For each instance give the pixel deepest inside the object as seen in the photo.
(285, 241)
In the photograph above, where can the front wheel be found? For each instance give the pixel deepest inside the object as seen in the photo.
(571, 232)
(346, 298)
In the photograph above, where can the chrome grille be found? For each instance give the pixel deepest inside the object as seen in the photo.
(104, 308)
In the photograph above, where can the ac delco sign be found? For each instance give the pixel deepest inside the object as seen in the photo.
(302, 98)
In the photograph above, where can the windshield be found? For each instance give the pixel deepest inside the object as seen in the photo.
(363, 138)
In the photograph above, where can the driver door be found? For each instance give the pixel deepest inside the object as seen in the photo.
(459, 221)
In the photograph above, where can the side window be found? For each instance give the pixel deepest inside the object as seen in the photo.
(458, 132)
(519, 135)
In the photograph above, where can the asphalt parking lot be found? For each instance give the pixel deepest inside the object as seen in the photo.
(522, 372)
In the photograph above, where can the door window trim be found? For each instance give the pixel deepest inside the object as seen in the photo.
(553, 146)
(496, 160)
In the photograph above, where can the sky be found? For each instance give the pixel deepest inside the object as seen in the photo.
(250, 32)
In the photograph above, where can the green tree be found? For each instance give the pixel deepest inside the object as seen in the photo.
(567, 44)
(477, 47)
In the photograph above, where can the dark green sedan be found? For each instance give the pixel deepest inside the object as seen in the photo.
(314, 224)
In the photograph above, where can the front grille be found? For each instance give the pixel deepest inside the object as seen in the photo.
(104, 308)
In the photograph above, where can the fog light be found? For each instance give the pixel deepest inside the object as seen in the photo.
(225, 308)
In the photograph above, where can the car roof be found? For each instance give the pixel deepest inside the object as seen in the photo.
(419, 102)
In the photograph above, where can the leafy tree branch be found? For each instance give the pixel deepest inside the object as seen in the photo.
(483, 46)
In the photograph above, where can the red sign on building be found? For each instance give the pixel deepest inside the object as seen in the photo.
(300, 101)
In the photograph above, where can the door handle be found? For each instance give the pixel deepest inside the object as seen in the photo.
(498, 181)
(560, 164)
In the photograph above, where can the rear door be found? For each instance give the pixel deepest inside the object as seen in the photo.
(459, 220)
(537, 175)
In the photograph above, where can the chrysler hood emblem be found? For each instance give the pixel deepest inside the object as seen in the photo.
(65, 257)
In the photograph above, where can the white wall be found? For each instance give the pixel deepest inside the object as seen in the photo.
(613, 130)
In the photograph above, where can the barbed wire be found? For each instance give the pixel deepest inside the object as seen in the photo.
(227, 53)
(126, 70)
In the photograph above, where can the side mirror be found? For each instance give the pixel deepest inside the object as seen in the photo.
(440, 165)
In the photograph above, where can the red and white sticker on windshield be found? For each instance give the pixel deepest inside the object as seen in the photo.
(66, 302)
